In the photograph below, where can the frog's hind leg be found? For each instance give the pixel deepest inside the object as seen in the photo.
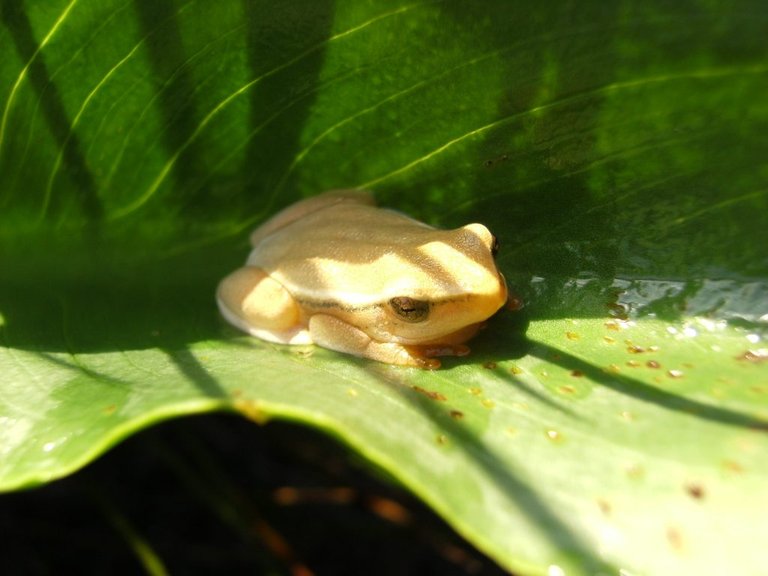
(256, 303)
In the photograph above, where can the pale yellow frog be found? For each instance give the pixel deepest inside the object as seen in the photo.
(337, 271)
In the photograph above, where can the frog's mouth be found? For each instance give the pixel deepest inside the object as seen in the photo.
(457, 337)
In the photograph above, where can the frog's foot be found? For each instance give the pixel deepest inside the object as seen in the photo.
(330, 332)
(256, 303)
(432, 350)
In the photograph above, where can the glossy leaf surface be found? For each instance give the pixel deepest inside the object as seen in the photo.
(617, 150)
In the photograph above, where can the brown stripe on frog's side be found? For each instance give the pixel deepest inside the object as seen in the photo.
(326, 304)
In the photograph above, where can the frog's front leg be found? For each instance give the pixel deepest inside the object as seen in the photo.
(331, 332)
(258, 304)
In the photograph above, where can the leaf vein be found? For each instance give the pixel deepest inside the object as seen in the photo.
(23, 74)
(166, 169)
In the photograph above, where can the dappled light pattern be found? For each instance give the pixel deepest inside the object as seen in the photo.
(616, 150)
(337, 271)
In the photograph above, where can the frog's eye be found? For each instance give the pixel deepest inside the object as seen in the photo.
(409, 309)
(494, 246)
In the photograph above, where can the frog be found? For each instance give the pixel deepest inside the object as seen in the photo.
(338, 271)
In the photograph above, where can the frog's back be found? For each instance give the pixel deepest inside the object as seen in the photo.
(350, 248)
(303, 208)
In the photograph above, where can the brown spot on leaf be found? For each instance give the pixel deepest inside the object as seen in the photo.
(431, 394)
(457, 414)
(695, 491)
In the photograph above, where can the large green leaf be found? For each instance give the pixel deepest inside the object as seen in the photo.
(617, 149)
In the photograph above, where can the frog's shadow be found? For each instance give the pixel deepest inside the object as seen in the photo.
(502, 338)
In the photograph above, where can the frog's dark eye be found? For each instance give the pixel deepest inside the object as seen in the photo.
(409, 309)
(494, 246)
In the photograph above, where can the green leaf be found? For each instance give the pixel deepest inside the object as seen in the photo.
(618, 151)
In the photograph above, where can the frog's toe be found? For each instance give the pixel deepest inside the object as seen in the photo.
(425, 356)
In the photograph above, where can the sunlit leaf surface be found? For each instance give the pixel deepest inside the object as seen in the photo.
(618, 150)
